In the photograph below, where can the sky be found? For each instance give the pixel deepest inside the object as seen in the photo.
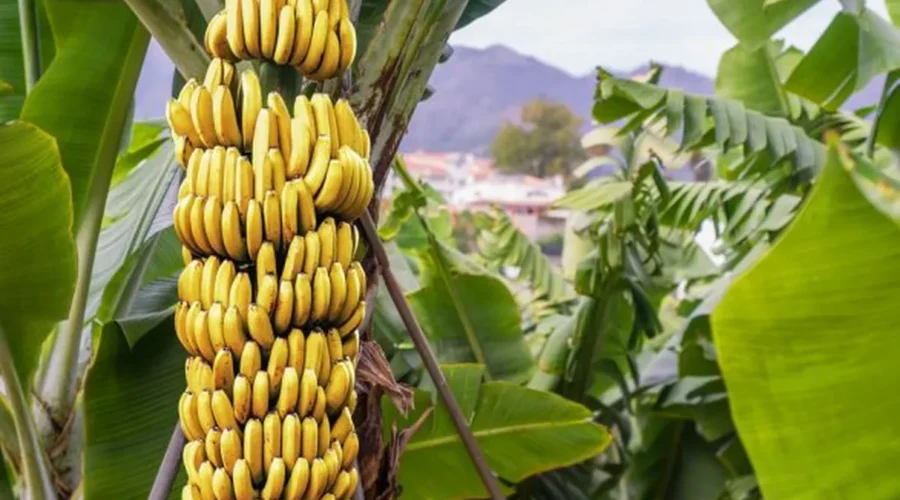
(578, 35)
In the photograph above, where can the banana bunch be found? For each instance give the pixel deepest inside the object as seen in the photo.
(315, 36)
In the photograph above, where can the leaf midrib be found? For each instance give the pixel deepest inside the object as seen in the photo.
(499, 431)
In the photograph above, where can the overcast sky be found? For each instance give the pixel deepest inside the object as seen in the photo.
(578, 35)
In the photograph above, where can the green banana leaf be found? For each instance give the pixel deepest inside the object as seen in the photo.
(12, 68)
(544, 432)
(39, 252)
(807, 339)
(754, 21)
(83, 98)
(751, 77)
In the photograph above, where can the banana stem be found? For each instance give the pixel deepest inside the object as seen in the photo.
(31, 53)
(35, 464)
(165, 476)
(428, 359)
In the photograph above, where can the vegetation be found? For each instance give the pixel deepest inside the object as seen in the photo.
(546, 143)
(652, 370)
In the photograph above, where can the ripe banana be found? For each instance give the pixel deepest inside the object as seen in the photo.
(284, 307)
(293, 261)
(284, 43)
(240, 296)
(233, 331)
(290, 439)
(272, 218)
(347, 36)
(298, 160)
(224, 278)
(223, 371)
(225, 118)
(180, 121)
(231, 449)
(316, 51)
(313, 250)
(205, 476)
(212, 224)
(342, 425)
(278, 359)
(271, 440)
(338, 291)
(266, 262)
(327, 242)
(251, 100)
(276, 475)
(290, 212)
(213, 447)
(235, 28)
(250, 363)
(354, 320)
(243, 397)
(254, 231)
(250, 19)
(310, 438)
(282, 117)
(307, 395)
(208, 281)
(321, 298)
(344, 245)
(277, 167)
(331, 58)
(290, 391)
(243, 481)
(302, 300)
(303, 111)
(202, 116)
(223, 410)
(260, 406)
(260, 327)
(297, 483)
(268, 29)
(235, 247)
(306, 207)
(335, 346)
(253, 449)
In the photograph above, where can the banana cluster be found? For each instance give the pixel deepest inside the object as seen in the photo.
(315, 36)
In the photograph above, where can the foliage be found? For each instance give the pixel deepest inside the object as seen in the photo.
(545, 143)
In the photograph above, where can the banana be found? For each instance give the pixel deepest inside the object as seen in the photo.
(354, 320)
(353, 181)
(203, 377)
(302, 300)
(251, 99)
(309, 445)
(290, 439)
(351, 448)
(192, 172)
(235, 248)
(198, 231)
(222, 485)
(253, 449)
(191, 492)
(216, 178)
(354, 481)
(366, 142)
(213, 77)
(208, 281)
(260, 327)
(190, 319)
(335, 345)
(304, 31)
(202, 116)
(205, 480)
(223, 410)
(293, 261)
(285, 42)
(290, 389)
(306, 207)
(334, 13)
(318, 480)
(251, 27)
(330, 59)
(260, 406)
(212, 224)
(351, 401)
(268, 29)
(213, 447)
(272, 218)
(319, 166)
(350, 346)
(320, 5)
(303, 111)
(284, 307)
(338, 291)
(307, 395)
(324, 437)
(313, 248)
(338, 387)
(342, 425)
(262, 169)
(278, 359)
(243, 397)
(240, 296)
(178, 114)
(201, 336)
(243, 481)
(276, 165)
(344, 246)
(282, 116)
(224, 279)
(332, 465)
(254, 230)
(298, 160)
(271, 440)
(181, 310)
(266, 263)
(299, 480)
(315, 352)
(183, 149)
(229, 182)
(347, 36)
(289, 213)
(348, 127)
(327, 242)
(235, 28)
(230, 449)
(192, 456)
(216, 38)
(225, 117)
(250, 363)
(205, 411)
(190, 283)
(318, 411)
(184, 190)
(244, 184)
(276, 475)
(321, 298)
(296, 349)
(184, 96)
(187, 414)
(233, 331)
(341, 485)
(361, 274)
(317, 44)
(223, 371)
(321, 104)
(182, 222)
(332, 125)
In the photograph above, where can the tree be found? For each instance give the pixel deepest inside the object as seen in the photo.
(546, 143)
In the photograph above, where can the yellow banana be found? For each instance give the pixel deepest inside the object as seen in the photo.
(229, 182)
(348, 127)
(213, 77)
(344, 246)
(289, 213)
(293, 261)
(182, 223)
(272, 218)
(224, 279)
(335, 345)
(285, 42)
(212, 224)
(201, 336)
(318, 480)
(284, 307)
(277, 167)
(350, 346)
(290, 439)
(266, 262)
(296, 350)
(307, 395)
(332, 125)
(304, 31)
(183, 148)
(223, 371)
(205, 480)
(240, 296)
(244, 187)
(190, 319)
(338, 387)
(354, 320)
(268, 27)
(192, 456)
(250, 19)
(231, 449)
(306, 207)
(298, 160)
(233, 331)
(193, 170)
(341, 485)
(325, 437)
(187, 414)
(302, 300)
(243, 481)
(327, 242)
(225, 117)
(290, 390)
(351, 448)
(347, 36)
(254, 230)
(334, 13)
(262, 169)
(202, 116)
(253, 449)
(318, 412)
(190, 283)
(299, 480)
(213, 447)
(330, 60)
(251, 100)
(191, 492)
(232, 240)
(278, 359)
(222, 485)
(320, 5)
(271, 439)
(216, 173)
(216, 38)
(366, 144)
(320, 104)
(354, 481)
(204, 411)
(223, 410)
(342, 425)
(181, 330)
(178, 114)
(361, 274)
(338, 291)
(260, 406)
(282, 118)
(260, 327)
(313, 249)
(321, 298)
(310, 438)
(353, 179)
(243, 397)
(316, 51)
(198, 231)
(303, 111)
(250, 363)
(227, 72)
(332, 465)
(276, 475)
(208, 281)
(315, 352)
(351, 401)
(235, 28)
(184, 96)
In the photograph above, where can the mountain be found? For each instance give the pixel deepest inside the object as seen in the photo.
(476, 90)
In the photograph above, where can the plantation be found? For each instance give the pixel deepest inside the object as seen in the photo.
(226, 303)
